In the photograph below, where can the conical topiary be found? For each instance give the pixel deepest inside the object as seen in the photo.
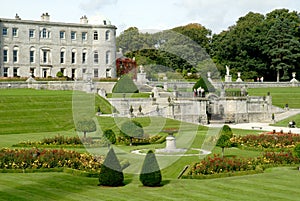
(111, 172)
(150, 174)
(125, 85)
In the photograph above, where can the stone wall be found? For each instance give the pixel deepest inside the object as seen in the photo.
(60, 85)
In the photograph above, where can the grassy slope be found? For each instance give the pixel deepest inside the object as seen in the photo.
(280, 96)
(34, 111)
(275, 184)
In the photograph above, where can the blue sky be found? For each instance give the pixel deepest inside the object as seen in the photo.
(216, 15)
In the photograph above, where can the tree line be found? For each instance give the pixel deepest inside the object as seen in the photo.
(256, 45)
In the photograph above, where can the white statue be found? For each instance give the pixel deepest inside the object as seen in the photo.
(227, 70)
(141, 69)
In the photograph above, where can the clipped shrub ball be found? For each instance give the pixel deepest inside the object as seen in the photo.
(110, 135)
(150, 174)
(125, 85)
(111, 171)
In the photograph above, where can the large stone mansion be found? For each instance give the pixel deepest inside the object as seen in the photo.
(44, 48)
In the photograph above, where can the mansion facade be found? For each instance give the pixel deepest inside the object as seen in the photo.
(44, 48)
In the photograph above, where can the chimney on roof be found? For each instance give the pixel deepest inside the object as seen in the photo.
(45, 17)
(84, 20)
(17, 17)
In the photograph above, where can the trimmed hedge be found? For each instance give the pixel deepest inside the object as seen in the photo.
(125, 85)
(111, 171)
(150, 174)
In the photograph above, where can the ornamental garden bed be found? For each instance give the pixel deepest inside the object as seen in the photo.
(280, 149)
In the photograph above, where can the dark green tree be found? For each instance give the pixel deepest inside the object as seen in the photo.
(110, 135)
(132, 129)
(150, 174)
(224, 138)
(111, 171)
(86, 126)
(281, 43)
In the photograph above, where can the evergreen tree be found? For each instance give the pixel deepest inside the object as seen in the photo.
(224, 139)
(150, 174)
(111, 171)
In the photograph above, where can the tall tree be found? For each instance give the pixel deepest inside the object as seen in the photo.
(281, 43)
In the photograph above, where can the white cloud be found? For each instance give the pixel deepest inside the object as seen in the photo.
(93, 5)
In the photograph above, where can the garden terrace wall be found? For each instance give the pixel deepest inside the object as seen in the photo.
(58, 85)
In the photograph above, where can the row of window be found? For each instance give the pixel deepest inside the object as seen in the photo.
(45, 72)
(46, 55)
(44, 33)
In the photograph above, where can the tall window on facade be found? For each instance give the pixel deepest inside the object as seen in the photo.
(62, 57)
(16, 72)
(107, 57)
(107, 35)
(96, 74)
(45, 56)
(96, 57)
(84, 57)
(95, 35)
(73, 59)
(15, 32)
(5, 72)
(62, 35)
(15, 55)
(84, 35)
(4, 31)
(31, 56)
(31, 33)
(73, 35)
(44, 33)
(5, 55)
(32, 72)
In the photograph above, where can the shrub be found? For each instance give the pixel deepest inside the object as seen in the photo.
(111, 172)
(132, 129)
(224, 139)
(125, 85)
(59, 74)
(86, 126)
(110, 135)
(205, 84)
(150, 174)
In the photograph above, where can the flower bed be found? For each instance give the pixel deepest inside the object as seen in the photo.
(267, 141)
(37, 159)
(60, 140)
(217, 164)
(156, 139)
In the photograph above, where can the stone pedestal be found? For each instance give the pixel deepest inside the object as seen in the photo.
(170, 142)
(239, 77)
(228, 78)
(141, 78)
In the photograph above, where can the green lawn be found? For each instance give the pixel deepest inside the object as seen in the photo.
(276, 184)
(280, 95)
(34, 111)
(27, 114)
